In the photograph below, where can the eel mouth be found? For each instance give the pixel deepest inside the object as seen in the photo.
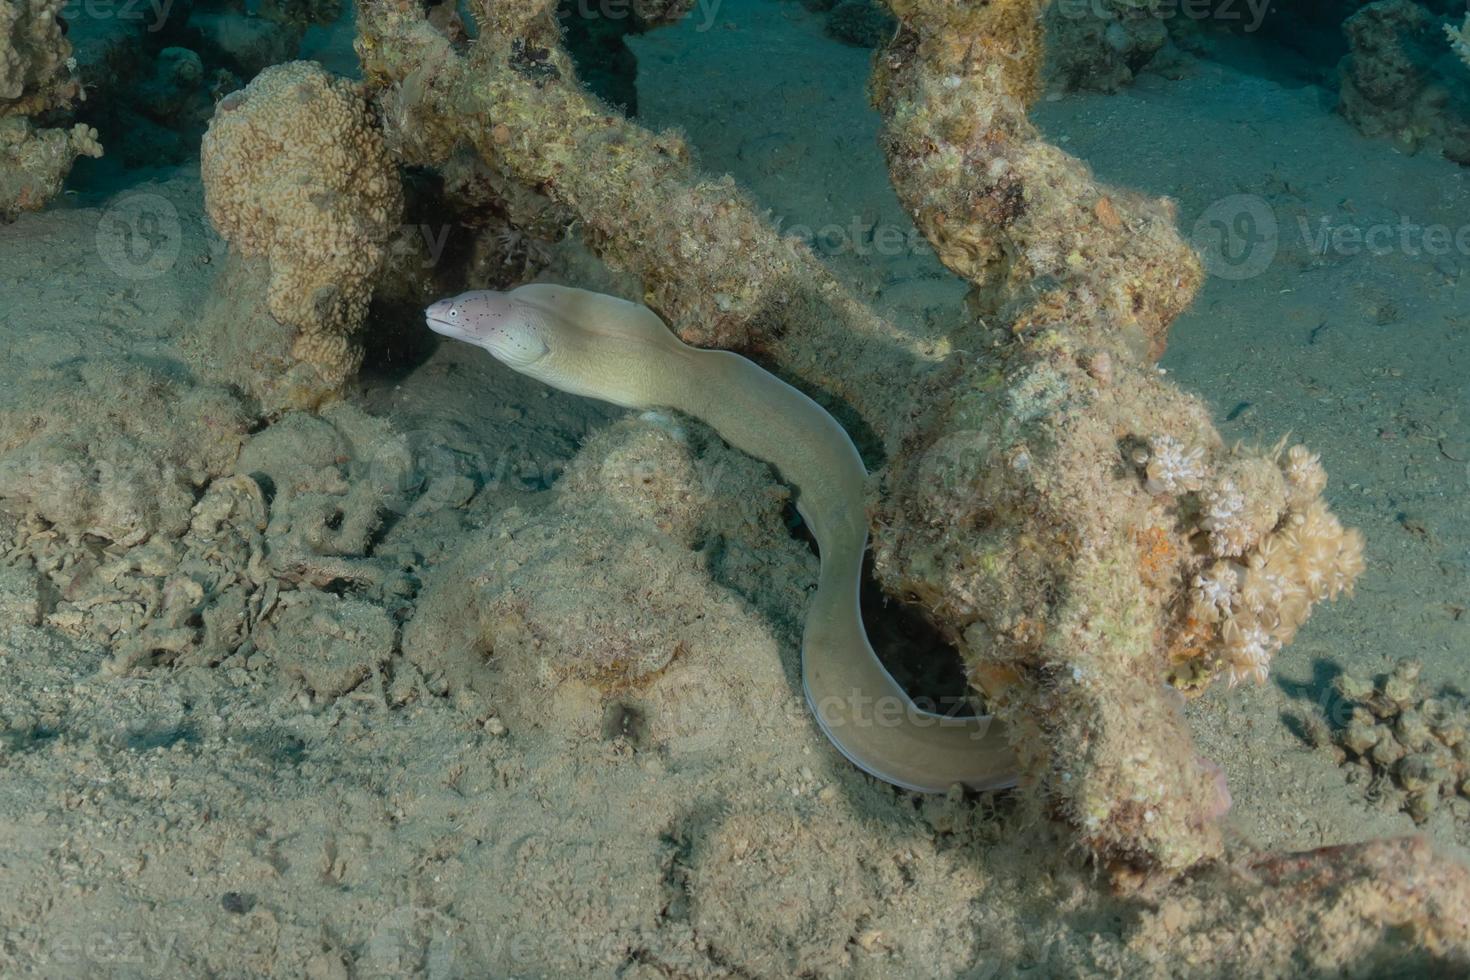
(442, 325)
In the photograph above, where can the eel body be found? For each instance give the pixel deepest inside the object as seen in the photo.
(607, 348)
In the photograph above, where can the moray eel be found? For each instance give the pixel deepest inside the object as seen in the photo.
(607, 348)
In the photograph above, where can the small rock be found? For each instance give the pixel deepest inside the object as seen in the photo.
(1419, 773)
(1360, 738)
(1422, 805)
(1412, 730)
(1354, 688)
(20, 595)
(1387, 751)
(1402, 682)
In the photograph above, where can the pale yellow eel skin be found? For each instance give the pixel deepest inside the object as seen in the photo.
(607, 348)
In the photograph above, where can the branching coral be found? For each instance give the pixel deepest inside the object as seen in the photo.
(1460, 40)
(295, 171)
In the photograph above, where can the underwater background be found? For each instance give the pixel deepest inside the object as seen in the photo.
(408, 665)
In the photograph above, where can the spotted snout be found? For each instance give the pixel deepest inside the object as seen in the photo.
(473, 316)
(446, 318)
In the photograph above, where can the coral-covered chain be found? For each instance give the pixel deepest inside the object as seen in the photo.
(1060, 616)
(1109, 541)
(1067, 518)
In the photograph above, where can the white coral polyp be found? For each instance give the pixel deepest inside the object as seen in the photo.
(1216, 591)
(1174, 468)
(1249, 650)
(1225, 520)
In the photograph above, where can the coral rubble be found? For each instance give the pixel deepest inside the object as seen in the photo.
(297, 176)
(1405, 744)
(37, 78)
(160, 527)
(126, 468)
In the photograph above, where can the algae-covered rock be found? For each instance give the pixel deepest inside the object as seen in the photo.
(35, 162)
(1399, 81)
(628, 584)
(1101, 45)
(296, 173)
(37, 77)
